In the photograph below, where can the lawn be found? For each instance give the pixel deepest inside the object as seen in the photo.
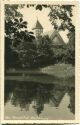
(60, 70)
(62, 74)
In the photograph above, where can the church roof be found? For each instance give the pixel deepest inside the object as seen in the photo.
(37, 25)
(57, 97)
(54, 33)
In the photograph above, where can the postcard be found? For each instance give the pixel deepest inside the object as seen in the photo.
(40, 61)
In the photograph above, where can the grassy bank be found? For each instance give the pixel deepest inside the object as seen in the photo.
(61, 74)
(60, 70)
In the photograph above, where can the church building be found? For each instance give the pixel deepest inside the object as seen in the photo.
(38, 29)
(53, 35)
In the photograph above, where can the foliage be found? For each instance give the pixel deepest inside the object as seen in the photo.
(70, 50)
(12, 19)
(11, 11)
(61, 19)
(26, 50)
(44, 50)
(13, 27)
(59, 53)
(62, 14)
(11, 57)
(65, 53)
(20, 45)
(15, 35)
(35, 55)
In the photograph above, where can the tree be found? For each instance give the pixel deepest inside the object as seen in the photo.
(61, 17)
(26, 49)
(63, 14)
(20, 42)
(11, 57)
(12, 34)
(15, 35)
(45, 51)
(59, 53)
(11, 11)
(12, 18)
(70, 50)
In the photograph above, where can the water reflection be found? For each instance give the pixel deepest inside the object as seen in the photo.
(25, 94)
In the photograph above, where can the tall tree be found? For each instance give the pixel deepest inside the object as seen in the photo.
(15, 34)
(61, 17)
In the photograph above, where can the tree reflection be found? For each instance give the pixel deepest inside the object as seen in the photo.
(71, 92)
(24, 94)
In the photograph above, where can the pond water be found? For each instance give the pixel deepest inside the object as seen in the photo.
(27, 100)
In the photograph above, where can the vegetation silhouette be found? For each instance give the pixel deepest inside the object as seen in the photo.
(24, 94)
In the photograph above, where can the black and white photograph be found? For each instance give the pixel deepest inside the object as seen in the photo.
(39, 61)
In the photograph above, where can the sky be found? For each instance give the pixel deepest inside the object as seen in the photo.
(31, 15)
(49, 112)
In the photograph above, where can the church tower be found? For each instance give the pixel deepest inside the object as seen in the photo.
(38, 29)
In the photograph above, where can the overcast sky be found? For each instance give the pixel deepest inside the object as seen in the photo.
(31, 14)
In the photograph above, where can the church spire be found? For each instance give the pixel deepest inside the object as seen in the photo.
(38, 25)
(38, 28)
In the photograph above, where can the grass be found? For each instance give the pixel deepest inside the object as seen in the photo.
(62, 74)
(60, 70)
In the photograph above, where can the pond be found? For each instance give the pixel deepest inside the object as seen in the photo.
(30, 100)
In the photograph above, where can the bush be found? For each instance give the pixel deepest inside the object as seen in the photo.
(45, 51)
